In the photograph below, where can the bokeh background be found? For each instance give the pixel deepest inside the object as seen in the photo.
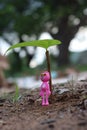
(26, 20)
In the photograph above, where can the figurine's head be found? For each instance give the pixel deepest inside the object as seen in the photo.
(45, 76)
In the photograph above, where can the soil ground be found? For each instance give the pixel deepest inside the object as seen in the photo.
(67, 110)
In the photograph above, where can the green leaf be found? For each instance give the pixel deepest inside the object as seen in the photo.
(38, 43)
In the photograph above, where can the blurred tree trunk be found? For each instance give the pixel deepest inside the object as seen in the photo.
(65, 35)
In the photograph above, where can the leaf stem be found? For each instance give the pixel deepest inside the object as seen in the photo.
(48, 66)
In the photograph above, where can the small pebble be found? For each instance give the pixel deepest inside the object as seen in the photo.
(85, 104)
(48, 121)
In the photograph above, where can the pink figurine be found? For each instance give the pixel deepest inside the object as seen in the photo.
(45, 88)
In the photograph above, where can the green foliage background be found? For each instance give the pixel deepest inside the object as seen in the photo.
(32, 17)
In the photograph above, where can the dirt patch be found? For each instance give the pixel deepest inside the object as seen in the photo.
(67, 109)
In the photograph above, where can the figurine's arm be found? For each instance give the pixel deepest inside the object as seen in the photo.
(41, 93)
(48, 87)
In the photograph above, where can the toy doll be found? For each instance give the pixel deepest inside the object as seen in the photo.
(45, 88)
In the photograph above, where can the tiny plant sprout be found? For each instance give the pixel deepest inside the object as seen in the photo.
(16, 96)
(39, 43)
